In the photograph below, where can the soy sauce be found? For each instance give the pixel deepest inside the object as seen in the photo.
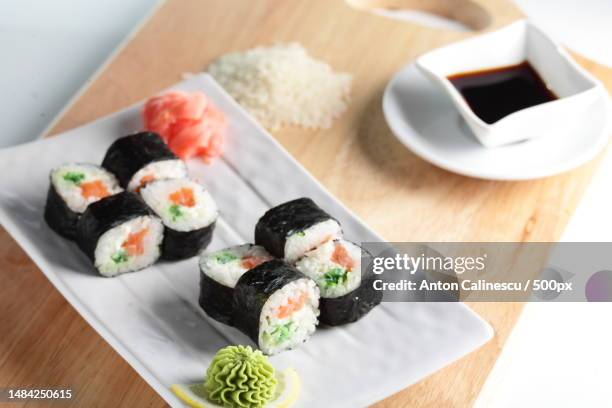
(496, 93)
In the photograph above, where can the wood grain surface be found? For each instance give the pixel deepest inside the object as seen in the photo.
(44, 342)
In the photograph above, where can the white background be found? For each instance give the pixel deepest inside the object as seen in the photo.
(49, 50)
(558, 354)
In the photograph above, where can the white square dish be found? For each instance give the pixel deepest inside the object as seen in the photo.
(521, 41)
(152, 317)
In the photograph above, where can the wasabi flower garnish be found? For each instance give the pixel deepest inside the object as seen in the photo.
(239, 377)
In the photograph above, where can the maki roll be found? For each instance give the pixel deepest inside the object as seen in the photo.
(276, 306)
(291, 229)
(120, 234)
(72, 188)
(140, 158)
(219, 272)
(336, 267)
(188, 212)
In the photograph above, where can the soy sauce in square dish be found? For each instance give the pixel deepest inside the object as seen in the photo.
(495, 93)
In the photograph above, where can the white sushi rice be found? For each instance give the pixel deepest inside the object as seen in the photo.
(179, 217)
(67, 179)
(226, 266)
(110, 246)
(319, 265)
(298, 326)
(283, 85)
(164, 169)
(300, 242)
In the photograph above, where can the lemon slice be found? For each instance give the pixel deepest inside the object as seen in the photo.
(287, 389)
(193, 395)
(287, 392)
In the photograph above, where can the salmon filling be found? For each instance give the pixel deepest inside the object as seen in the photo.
(94, 189)
(183, 197)
(133, 245)
(342, 257)
(180, 199)
(250, 261)
(292, 306)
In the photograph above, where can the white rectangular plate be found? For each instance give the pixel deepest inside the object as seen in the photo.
(152, 317)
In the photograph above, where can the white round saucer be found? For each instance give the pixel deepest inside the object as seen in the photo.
(423, 118)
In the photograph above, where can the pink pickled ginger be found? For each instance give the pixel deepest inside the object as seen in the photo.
(189, 123)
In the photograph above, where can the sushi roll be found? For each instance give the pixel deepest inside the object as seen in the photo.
(336, 267)
(120, 234)
(188, 212)
(219, 272)
(72, 188)
(276, 306)
(291, 229)
(140, 158)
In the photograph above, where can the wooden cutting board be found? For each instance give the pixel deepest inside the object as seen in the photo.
(45, 342)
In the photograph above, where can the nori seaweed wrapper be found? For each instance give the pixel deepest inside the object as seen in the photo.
(216, 299)
(350, 307)
(253, 290)
(279, 222)
(105, 214)
(131, 153)
(355, 304)
(185, 244)
(59, 216)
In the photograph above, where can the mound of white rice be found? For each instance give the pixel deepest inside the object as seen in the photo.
(283, 85)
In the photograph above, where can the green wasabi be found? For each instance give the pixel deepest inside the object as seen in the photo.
(239, 377)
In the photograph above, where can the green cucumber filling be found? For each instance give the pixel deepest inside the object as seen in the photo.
(225, 257)
(280, 333)
(300, 234)
(175, 211)
(74, 177)
(334, 277)
(119, 257)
